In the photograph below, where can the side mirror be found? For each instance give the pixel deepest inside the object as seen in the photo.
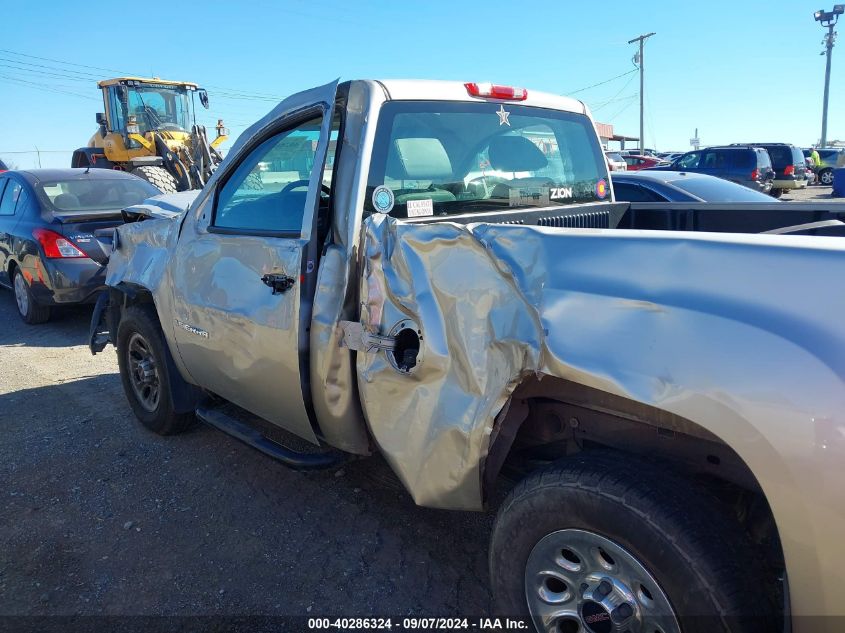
(203, 97)
(101, 118)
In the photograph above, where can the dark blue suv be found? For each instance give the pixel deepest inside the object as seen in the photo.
(748, 166)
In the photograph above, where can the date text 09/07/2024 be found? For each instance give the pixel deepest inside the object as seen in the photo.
(410, 624)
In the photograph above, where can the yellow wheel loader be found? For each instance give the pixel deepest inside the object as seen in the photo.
(149, 128)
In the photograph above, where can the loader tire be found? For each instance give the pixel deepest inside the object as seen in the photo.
(157, 176)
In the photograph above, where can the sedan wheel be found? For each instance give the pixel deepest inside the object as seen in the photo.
(31, 311)
(21, 295)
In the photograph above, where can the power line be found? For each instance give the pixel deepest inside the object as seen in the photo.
(43, 151)
(37, 86)
(620, 111)
(231, 91)
(613, 98)
(601, 83)
(607, 103)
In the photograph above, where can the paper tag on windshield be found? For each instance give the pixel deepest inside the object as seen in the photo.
(420, 208)
(529, 196)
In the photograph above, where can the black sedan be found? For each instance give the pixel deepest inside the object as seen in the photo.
(679, 186)
(48, 253)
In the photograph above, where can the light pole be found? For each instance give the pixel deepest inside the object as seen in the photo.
(828, 20)
(641, 39)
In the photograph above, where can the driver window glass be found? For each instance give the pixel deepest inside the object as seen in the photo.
(268, 189)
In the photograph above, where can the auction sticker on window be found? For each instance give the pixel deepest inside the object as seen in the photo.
(529, 197)
(383, 199)
(420, 208)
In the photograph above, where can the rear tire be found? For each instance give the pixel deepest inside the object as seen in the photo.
(142, 356)
(776, 193)
(661, 534)
(29, 309)
(826, 177)
(157, 176)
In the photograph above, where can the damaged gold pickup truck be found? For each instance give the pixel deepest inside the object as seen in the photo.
(438, 272)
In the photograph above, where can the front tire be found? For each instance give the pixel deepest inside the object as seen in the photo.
(29, 309)
(157, 176)
(142, 356)
(574, 543)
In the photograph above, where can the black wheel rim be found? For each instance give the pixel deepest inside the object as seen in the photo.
(143, 372)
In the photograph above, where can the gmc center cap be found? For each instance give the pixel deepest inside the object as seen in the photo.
(596, 618)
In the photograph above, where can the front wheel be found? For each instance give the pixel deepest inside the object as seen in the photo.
(145, 374)
(604, 542)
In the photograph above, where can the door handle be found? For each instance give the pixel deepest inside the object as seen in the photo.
(279, 283)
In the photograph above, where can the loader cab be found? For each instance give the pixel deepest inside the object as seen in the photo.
(140, 106)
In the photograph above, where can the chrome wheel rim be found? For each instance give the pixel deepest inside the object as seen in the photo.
(581, 582)
(21, 295)
(143, 373)
(827, 178)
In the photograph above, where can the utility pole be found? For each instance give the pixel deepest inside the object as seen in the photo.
(828, 20)
(641, 39)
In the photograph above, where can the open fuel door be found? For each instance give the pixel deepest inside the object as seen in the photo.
(245, 264)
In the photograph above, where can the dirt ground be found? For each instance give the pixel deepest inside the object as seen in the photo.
(99, 516)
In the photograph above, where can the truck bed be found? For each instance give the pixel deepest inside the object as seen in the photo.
(740, 217)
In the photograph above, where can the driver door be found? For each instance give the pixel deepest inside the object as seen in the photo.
(240, 264)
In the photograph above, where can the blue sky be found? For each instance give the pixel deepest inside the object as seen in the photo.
(735, 70)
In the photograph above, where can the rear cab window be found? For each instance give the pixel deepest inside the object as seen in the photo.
(447, 158)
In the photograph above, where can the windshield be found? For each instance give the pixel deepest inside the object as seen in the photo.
(445, 158)
(93, 194)
(154, 106)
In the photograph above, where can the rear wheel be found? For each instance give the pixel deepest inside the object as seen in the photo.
(157, 176)
(144, 372)
(826, 177)
(776, 193)
(605, 542)
(29, 309)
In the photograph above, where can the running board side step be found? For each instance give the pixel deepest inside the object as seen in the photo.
(248, 435)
